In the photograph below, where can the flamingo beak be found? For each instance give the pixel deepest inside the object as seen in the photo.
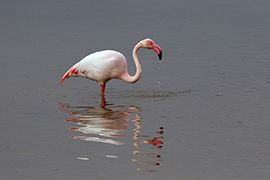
(158, 50)
(160, 55)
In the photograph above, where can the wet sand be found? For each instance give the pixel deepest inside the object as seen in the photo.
(202, 113)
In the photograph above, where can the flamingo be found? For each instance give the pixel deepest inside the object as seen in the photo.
(105, 65)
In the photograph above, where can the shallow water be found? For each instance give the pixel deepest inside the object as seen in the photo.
(201, 113)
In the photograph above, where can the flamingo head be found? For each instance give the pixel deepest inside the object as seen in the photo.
(150, 44)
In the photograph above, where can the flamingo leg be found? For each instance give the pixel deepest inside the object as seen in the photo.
(103, 102)
(102, 88)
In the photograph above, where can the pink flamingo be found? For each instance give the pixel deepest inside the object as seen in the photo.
(105, 65)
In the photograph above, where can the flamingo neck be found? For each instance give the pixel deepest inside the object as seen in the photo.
(137, 76)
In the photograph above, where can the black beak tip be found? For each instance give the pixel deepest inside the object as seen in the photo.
(160, 55)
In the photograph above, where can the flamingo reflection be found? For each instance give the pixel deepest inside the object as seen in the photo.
(101, 122)
(155, 143)
(104, 124)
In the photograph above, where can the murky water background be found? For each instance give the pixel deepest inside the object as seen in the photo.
(202, 113)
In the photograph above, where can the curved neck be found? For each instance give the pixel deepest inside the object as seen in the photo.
(137, 76)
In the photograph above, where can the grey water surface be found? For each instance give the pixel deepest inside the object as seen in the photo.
(202, 113)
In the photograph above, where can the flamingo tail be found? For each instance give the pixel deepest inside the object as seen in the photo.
(72, 71)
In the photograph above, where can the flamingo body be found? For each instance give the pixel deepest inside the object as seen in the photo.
(103, 66)
(100, 66)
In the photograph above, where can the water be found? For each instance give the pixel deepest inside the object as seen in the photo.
(202, 113)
